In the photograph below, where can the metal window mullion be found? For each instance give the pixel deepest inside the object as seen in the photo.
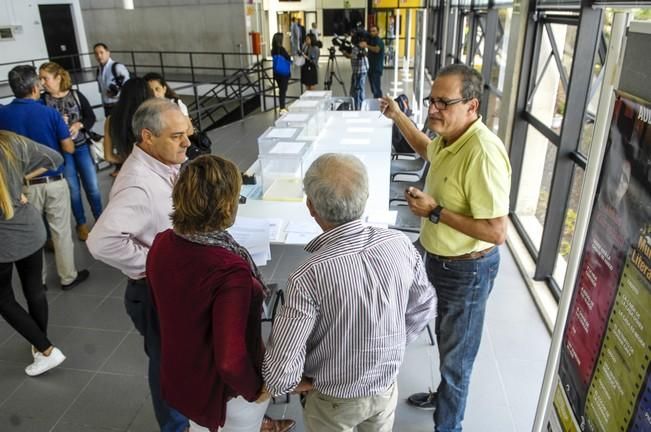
(557, 55)
(585, 48)
(538, 79)
(489, 57)
(520, 125)
(532, 79)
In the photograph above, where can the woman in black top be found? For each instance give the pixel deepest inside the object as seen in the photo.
(310, 70)
(282, 79)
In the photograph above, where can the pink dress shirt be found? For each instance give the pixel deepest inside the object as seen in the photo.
(139, 207)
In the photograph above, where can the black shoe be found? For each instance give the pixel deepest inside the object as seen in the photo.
(81, 276)
(426, 401)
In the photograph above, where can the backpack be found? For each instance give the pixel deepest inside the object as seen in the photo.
(118, 79)
(281, 65)
(200, 144)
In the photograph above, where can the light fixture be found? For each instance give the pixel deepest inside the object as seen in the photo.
(127, 4)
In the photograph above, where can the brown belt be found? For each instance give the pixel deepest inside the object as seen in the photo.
(41, 180)
(468, 256)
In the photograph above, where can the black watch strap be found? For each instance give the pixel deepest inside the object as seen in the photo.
(435, 216)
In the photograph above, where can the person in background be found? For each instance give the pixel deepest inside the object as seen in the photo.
(464, 210)
(310, 70)
(48, 192)
(139, 207)
(79, 116)
(375, 61)
(208, 294)
(282, 79)
(313, 30)
(22, 235)
(119, 137)
(111, 76)
(160, 89)
(350, 309)
(359, 67)
(294, 36)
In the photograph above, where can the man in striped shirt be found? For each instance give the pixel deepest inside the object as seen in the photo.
(350, 308)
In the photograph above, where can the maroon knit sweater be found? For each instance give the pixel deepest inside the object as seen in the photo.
(209, 307)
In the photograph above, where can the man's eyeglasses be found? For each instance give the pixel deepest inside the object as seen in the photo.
(442, 104)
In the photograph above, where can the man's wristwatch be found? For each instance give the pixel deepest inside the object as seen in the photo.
(435, 216)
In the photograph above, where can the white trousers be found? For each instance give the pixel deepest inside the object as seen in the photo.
(241, 416)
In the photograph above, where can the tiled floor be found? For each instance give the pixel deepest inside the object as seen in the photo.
(102, 385)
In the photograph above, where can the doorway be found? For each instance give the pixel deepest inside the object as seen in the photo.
(60, 36)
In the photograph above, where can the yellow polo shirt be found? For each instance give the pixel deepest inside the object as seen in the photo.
(471, 176)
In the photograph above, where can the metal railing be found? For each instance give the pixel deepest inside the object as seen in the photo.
(230, 76)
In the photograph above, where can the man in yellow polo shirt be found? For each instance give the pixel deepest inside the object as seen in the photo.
(464, 208)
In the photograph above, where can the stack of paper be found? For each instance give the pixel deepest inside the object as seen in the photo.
(253, 234)
(301, 232)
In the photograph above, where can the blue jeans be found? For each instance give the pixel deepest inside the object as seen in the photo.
(358, 89)
(80, 165)
(140, 308)
(462, 288)
(375, 80)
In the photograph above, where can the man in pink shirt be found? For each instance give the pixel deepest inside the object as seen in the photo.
(139, 206)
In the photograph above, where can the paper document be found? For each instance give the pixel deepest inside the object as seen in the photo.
(303, 227)
(299, 238)
(387, 217)
(253, 234)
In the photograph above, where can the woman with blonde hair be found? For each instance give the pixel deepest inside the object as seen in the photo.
(208, 293)
(79, 116)
(21, 226)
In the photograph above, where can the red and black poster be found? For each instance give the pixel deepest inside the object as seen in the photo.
(606, 351)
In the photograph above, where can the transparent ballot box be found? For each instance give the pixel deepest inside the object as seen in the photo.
(311, 123)
(282, 169)
(273, 135)
(316, 94)
(309, 105)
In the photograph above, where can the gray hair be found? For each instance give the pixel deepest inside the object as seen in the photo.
(22, 80)
(337, 186)
(472, 83)
(149, 116)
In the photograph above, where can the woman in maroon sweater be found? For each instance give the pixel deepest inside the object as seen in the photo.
(208, 293)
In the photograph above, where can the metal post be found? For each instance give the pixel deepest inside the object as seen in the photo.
(162, 66)
(239, 86)
(196, 94)
(133, 62)
(223, 66)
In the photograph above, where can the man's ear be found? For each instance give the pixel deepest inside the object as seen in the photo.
(310, 207)
(145, 136)
(473, 105)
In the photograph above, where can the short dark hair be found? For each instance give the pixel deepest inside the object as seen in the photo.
(472, 83)
(206, 195)
(22, 80)
(101, 44)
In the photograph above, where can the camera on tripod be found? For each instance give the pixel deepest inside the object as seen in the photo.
(346, 45)
(341, 42)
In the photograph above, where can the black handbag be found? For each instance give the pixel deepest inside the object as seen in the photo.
(200, 144)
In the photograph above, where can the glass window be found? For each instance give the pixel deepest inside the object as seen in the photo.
(498, 68)
(547, 103)
(569, 225)
(493, 113)
(535, 184)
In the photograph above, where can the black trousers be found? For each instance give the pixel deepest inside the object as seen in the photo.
(140, 308)
(283, 83)
(31, 325)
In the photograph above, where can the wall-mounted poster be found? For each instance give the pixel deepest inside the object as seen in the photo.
(605, 356)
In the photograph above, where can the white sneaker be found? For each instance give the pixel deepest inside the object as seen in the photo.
(43, 363)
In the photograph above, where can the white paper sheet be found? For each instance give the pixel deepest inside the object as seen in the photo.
(299, 238)
(281, 133)
(253, 234)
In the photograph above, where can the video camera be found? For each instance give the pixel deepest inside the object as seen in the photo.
(346, 46)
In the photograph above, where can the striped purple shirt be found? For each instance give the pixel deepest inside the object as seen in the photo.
(349, 311)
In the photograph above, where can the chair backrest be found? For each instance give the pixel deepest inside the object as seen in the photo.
(341, 103)
(371, 105)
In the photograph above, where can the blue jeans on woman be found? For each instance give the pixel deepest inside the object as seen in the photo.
(462, 287)
(78, 165)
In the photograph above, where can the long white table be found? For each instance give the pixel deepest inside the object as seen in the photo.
(365, 134)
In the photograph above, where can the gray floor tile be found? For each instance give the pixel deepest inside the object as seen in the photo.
(13, 376)
(129, 358)
(109, 315)
(6, 331)
(522, 382)
(101, 282)
(52, 393)
(145, 420)
(17, 349)
(88, 349)
(108, 401)
(72, 309)
(24, 424)
(72, 427)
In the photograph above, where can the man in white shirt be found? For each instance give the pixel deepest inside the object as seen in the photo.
(111, 76)
(139, 206)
